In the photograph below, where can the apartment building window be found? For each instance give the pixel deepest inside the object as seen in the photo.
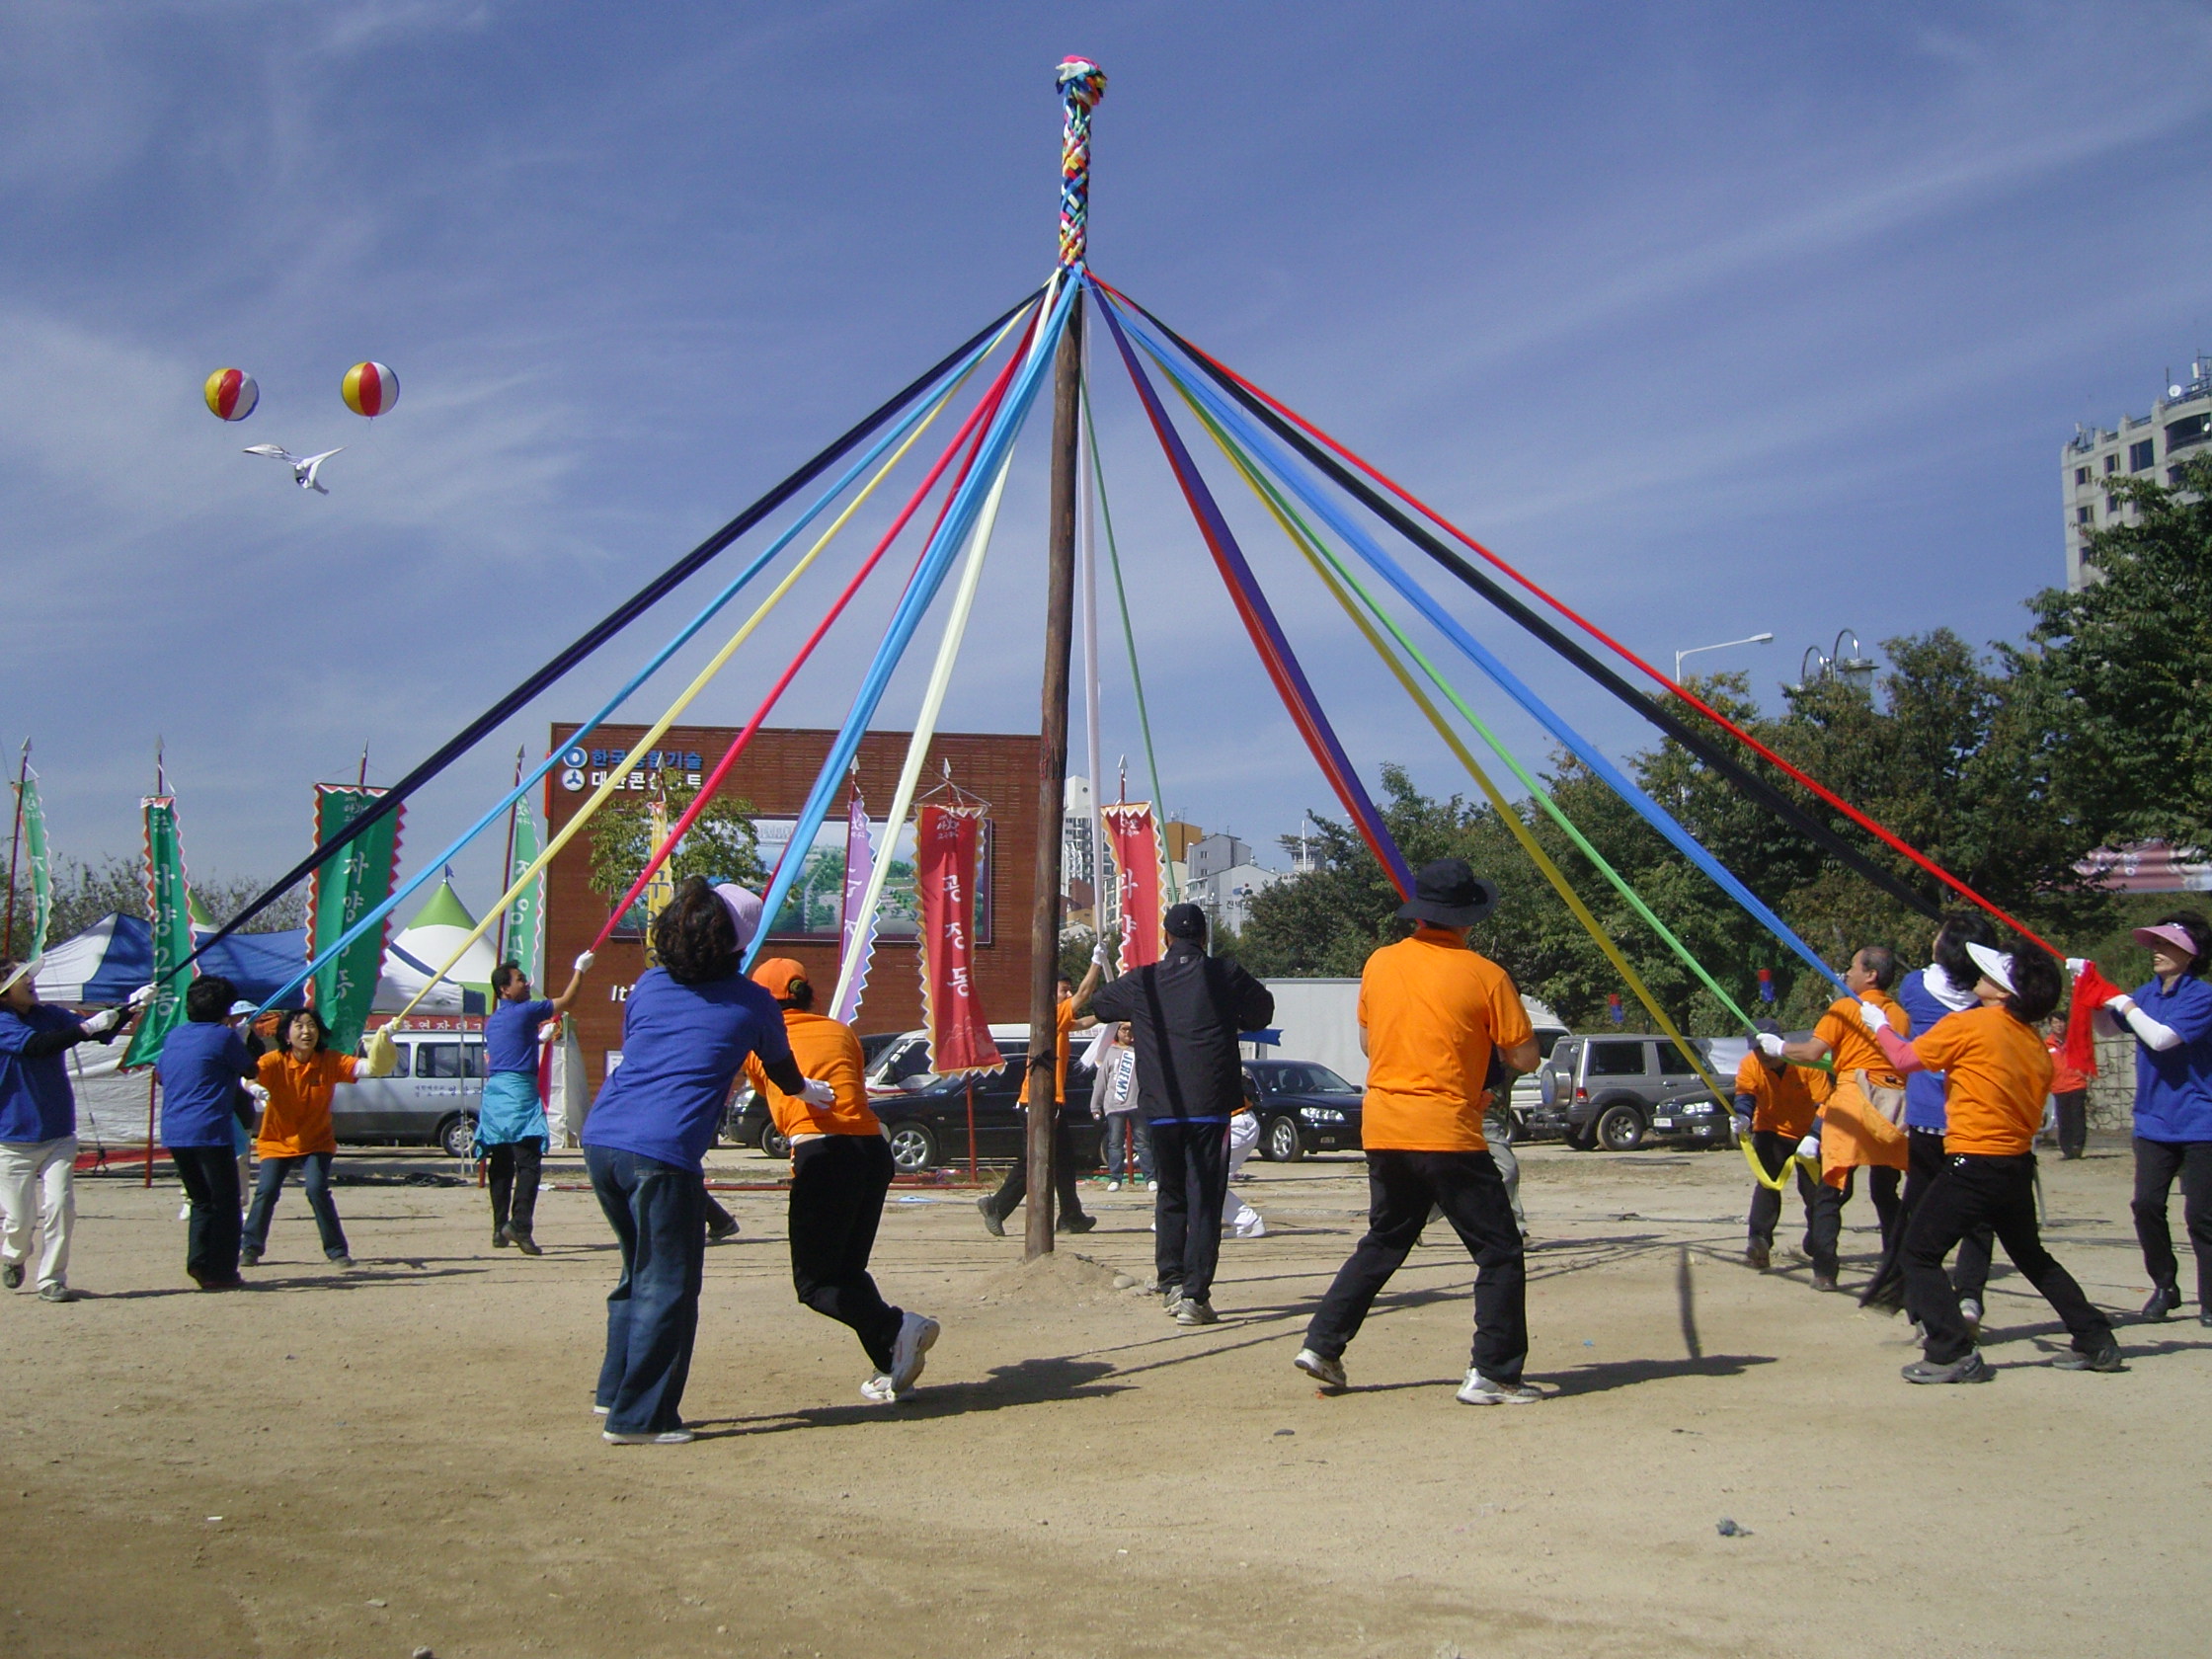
(2111, 511)
(2081, 475)
(2112, 463)
(2140, 456)
(2083, 515)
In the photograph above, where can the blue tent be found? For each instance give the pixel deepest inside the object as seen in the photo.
(114, 956)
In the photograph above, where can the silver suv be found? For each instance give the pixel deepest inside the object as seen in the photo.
(1619, 1092)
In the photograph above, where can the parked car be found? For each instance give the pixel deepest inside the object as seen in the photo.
(1526, 1104)
(430, 1098)
(1619, 1092)
(1303, 1107)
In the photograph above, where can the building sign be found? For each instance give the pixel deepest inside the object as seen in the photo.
(584, 768)
(815, 907)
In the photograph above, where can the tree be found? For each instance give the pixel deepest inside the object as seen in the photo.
(85, 891)
(721, 843)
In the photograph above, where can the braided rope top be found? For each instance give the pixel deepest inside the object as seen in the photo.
(1082, 84)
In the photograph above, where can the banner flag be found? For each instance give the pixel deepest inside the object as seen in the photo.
(169, 907)
(1140, 878)
(342, 987)
(858, 947)
(526, 917)
(952, 1009)
(40, 864)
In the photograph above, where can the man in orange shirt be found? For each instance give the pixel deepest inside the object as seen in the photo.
(1067, 1016)
(841, 1170)
(1862, 1119)
(1777, 1098)
(1432, 1013)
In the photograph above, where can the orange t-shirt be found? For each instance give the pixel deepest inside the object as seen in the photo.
(296, 1120)
(1782, 1105)
(827, 1050)
(1432, 1011)
(1853, 1046)
(1063, 1021)
(1996, 1075)
(2064, 1078)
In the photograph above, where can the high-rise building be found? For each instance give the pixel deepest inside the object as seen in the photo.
(2094, 458)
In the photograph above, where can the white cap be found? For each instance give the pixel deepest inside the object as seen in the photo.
(1996, 964)
(745, 910)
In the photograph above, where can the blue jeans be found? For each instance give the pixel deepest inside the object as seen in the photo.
(314, 1175)
(659, 1215)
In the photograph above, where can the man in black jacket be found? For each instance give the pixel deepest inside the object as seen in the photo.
(1186, 1011)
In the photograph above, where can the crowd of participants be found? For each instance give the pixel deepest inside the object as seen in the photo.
(1939, 1091)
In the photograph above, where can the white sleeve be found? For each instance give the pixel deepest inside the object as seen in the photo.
(2153, 1034)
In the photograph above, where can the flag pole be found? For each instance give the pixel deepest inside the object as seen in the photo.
(507, 867)
(153, 1076)
(15, 847)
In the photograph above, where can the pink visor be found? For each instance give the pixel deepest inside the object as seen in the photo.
(2167, 933)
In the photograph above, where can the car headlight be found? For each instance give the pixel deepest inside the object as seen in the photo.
(1699, 1109)
(1320, 1114)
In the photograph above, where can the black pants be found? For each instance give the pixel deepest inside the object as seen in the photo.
(1825, 1230)
(1970, 1273)
(1191, 1163)
(1468, 1189)
(719, 1219)
(210, 1178)
(513, 1176)
(1016, 1187)
(838, 1186)
(1774, 1152)
(314, 1175)
(2073, 1122)
(1997, 1193)
(2156, 1163)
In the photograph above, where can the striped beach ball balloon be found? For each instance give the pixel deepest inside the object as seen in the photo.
(369, 388)
(231, 394)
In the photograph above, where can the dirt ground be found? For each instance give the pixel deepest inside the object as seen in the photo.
(366, 1464)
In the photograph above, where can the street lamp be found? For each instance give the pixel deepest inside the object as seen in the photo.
(1748, 639)
(1854, 667)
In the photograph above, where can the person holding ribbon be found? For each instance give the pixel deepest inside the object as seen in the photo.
(297, 1131)
(203, 1063)
(510, 1128)
(1067, 1016)
(1776, 1105)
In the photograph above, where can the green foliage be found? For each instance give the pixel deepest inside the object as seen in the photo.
(721, 845)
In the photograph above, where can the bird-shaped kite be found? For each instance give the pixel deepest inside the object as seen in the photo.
(304, 468)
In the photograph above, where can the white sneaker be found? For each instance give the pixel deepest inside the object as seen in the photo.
(666, 1437)
(185, 1214)
(1479, 1390)
(1253, 1226)
(877, 1390)
(918, 1334)
(1970, 1309)
(1113, 1186)
(1326, 1372)
(600, 1410)
(1152, 1186)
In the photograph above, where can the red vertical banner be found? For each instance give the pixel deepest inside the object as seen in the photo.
(1141, 873)
(952, 1009)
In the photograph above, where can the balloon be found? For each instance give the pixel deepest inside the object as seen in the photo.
(231, 394)
(369, 388)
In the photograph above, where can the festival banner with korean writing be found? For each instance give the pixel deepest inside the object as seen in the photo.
(169, 907)
(945, 882)
(858, 933)
(525, 919)
(1141, 874)
(345, 889)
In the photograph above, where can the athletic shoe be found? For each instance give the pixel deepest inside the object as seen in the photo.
(11, 1276)
(666, 1437)
(523, 1242)
(1758, 1257)
(185, 1214)
(877, 1390)
(993, 1222)
(1170, 1298)
(1189, 1311)
(234, 1283)
(56, 1292)
(1251, 1227)
(1323, 1370)
(1969, 1370)
(1152, 1186)
(1113, 1186)
(1077, 1223)
(2106, 1358)
(500, 1238)
(1825, 1282)
(918, 1334)
(1479, 1389)
(339, 1258)
(1970, 1309)
(717, 1232)
(2204, 1318)
(2165, 1299)
(248, 1256)
(600, 1410)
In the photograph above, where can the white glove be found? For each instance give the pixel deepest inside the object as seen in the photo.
(2075, 964)
(1742, 1126)
(103, 1022)
(2121, 1005)
(1770, 1045)
(1873, 1019)
(260, 1094)
(1100, 957)
(141, 996)
(818, 1093)
(1809, 1147)
(583, 963)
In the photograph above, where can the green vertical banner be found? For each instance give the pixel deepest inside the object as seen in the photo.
(169, 907)
(526, 917)
(40, 864)
(342, 987)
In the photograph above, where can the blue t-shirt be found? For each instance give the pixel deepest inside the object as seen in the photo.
(201, 1065)
(1924, 1091)
(37, 1102)
(511, 1035)
(2174, 1089)
(683, 1045)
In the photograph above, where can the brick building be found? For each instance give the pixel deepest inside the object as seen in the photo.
(776, 773)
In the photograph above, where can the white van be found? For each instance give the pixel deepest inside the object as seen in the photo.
(431, 1099)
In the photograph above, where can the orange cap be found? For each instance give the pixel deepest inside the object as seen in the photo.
(775, 975)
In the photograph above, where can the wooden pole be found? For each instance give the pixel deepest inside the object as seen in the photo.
(153, 1082)
(15, 847)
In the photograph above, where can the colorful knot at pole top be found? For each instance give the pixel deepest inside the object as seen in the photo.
(1082, 84)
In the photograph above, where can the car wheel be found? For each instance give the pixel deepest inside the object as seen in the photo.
(457, 1134)
(912, 1147)
(773, 1140)
(1620, 1129)
(1281, 1142)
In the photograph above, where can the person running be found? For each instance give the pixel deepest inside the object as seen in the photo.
(1431, 1011)
(510, 1128)
(1238, 1218)
(689, 1026)
(1997, 1075)
(297, 1131)
(2170, 1016)
(1860, 1123)
(202, 1066)
(1186, 1011)
(39, 1128)
(840, 1171)
(1067, 1016)
(1775, 1106)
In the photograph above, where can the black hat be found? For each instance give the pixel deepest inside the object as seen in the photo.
(1768, 1028)
(1450, 894)
(1185, 922)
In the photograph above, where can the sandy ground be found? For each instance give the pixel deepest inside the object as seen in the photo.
(403, 1456)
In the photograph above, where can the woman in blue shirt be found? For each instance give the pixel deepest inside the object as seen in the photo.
(510, 1131)
(687, 1027)
(2171, 1019)
(203, 1067)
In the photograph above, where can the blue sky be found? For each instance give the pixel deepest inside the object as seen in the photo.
(1715, 318)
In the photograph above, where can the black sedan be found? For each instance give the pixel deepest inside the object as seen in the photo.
(1303, 1108)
